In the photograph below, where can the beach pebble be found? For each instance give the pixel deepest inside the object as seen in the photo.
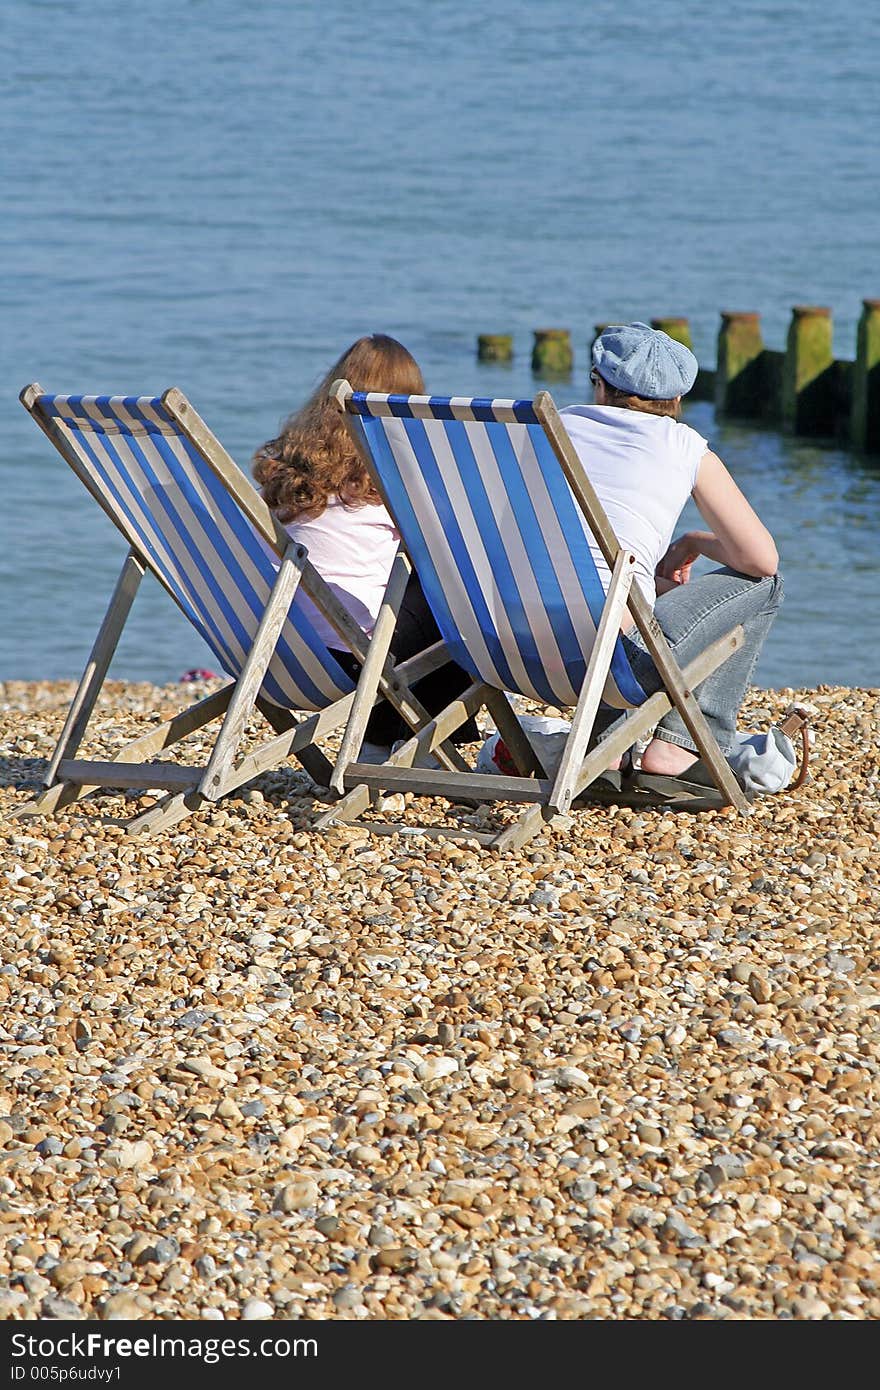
(433, 1068)
(256, 1308)
(296, 1196)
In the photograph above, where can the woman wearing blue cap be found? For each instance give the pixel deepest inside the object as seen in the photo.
(644, 464)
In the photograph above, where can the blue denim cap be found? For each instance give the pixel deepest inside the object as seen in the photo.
(644, 361)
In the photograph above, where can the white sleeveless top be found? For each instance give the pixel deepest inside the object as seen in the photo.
(353, 549)
(644, 469)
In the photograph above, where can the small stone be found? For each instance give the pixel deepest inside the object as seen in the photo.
(207, 1070)
(844, 965)
(349, 1296)
(676, 1229)
(227, 1109)
(379, 1235)
(296, 1196)
(167, 1248)
(67, 1272)
(810, 1308)
(62, 1309)
(193, 1018)
(463, 1192)
(135, 1247)
(573, 1079)
(256, 1308)
(397, 1258)
(432, 1068)
(631, 1031)
(650, 1134)
(129, 1155)
(122, 1307)
(520, 1081)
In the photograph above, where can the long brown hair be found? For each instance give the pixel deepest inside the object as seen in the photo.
(314, 457)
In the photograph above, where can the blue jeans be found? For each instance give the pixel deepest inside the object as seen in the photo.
(691, 617)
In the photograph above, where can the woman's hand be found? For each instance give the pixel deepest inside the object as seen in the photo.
(675, 566)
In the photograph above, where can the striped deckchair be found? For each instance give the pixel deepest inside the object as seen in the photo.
(503, 526)
(195, 521)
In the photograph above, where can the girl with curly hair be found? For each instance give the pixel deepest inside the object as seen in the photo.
(313, 479)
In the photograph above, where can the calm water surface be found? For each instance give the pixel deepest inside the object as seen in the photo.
(221, 197)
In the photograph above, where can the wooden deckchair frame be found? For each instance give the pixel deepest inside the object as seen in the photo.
(546, 798)
(186, 787)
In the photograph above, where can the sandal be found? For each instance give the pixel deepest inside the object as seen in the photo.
(691, 790)
(616, 787)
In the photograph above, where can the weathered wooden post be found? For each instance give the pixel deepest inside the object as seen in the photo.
(738, 377)
(677, 328)
(865, 413)
(552, 354)
(495, 347)
(809, 380)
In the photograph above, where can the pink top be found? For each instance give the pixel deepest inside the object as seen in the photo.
(353, 549)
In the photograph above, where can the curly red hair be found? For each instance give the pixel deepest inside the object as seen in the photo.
(314, 457)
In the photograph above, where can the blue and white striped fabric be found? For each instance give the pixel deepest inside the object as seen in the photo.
(171, 506)
(497, 538)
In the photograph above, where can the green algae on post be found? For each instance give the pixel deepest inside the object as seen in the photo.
(738, 377)
(552, 352)
(495, 347)
(865, 414)
(808, 375)
(675, 327)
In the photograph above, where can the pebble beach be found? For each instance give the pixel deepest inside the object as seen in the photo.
(252, 1071)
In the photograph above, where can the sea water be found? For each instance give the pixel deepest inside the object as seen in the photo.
(222, 197)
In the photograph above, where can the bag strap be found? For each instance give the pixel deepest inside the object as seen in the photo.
(797, 722)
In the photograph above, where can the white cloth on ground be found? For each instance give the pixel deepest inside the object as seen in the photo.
(762, 762)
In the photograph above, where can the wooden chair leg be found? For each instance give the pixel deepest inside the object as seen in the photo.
(534, 818)
(316, 764)
(594, 681)
(374, 664)
(173, 808)
(296, 739)
(428, 740)
(681, 694)
(247, 687)
(87, 692)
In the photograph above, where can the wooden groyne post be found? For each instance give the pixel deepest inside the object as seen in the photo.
(552, 352)
(865, 393)
(495, 347)
(809, 378)
(739, 377)
(679, 328)
(675, 327)
(803, 389)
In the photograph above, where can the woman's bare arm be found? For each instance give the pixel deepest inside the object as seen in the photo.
(738, 537)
